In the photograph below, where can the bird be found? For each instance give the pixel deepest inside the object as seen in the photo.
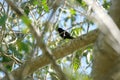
(64, 34)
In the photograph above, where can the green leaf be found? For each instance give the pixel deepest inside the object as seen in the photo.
(44, 3)
(12, 49)
(3, 20)
(35, 2)
(25, 30)
(8, 67)
(27, 10)
(26, 20)
(106, 4)
(76, 63)
(22, 46)
(76, 31)
(5, 59)
(72, 11)
(80, 1)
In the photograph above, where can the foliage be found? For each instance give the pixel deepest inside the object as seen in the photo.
(106, 4)
(17, 43)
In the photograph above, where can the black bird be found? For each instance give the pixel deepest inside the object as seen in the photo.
(64, 34)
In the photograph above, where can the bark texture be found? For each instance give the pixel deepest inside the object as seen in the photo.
(106, 63)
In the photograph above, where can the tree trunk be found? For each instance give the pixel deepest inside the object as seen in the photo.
(106, 63)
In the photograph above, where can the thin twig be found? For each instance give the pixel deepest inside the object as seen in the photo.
(39, 41)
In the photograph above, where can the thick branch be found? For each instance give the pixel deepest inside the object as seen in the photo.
(59, 52)
(31, 65)
(106, 25)
(106, 54)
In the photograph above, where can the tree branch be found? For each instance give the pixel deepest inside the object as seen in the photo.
(31, 65)
(59, 52)
(106, 25)
(46, 52)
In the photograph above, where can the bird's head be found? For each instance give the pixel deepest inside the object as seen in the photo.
(60, 29)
